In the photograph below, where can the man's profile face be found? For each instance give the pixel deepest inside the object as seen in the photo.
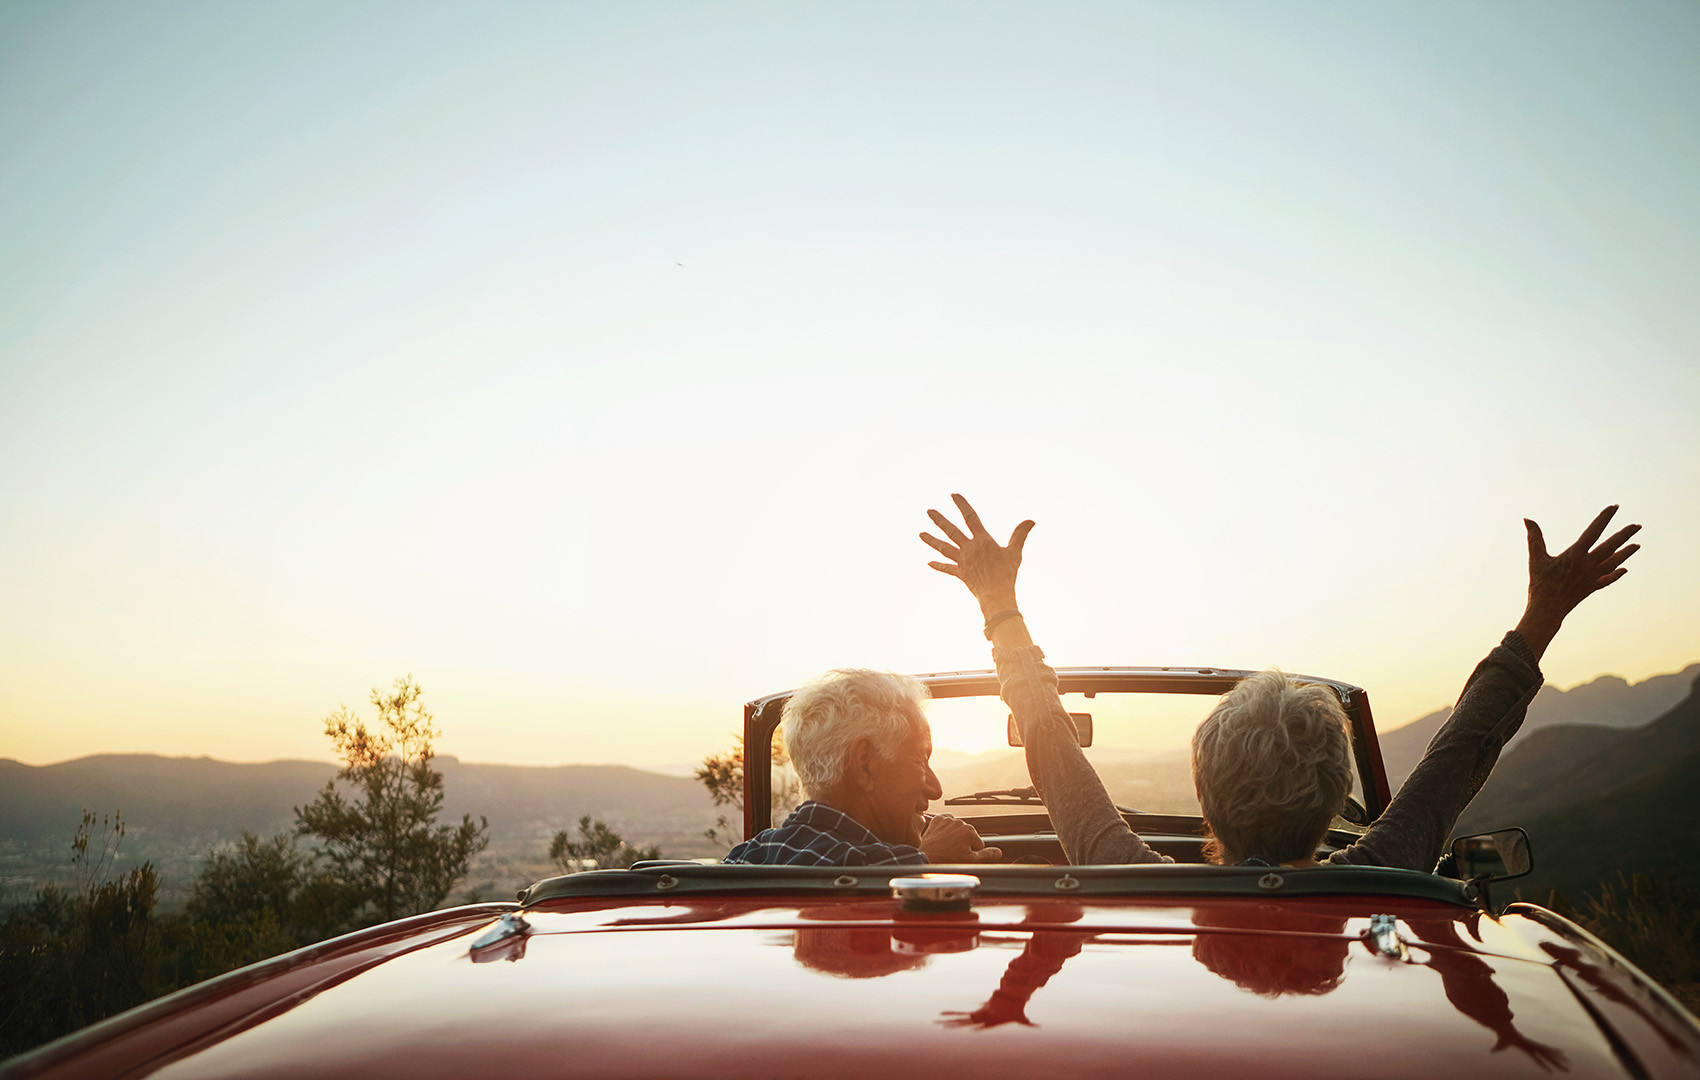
(904, 786)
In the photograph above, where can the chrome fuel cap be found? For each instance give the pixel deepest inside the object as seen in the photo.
(935, 892)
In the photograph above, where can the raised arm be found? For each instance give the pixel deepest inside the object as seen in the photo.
(1413, 830)
(1088, 824)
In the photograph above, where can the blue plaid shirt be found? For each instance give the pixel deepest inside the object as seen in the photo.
(817, 835)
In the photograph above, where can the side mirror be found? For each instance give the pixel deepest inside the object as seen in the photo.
(1082, 729)
(1494, 856)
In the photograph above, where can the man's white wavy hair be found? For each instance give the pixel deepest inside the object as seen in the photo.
(824, 719)
(1273, 764)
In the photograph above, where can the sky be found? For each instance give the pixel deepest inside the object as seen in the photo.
(595, 364)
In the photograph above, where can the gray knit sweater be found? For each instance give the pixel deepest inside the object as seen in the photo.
(1410, 833)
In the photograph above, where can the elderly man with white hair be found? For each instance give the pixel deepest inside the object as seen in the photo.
(862, 750)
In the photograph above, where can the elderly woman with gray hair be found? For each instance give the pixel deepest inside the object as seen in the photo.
(1272, 762)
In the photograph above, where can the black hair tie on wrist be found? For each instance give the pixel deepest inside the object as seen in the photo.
(993, 620)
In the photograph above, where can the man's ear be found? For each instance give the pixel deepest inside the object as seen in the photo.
(859, 764)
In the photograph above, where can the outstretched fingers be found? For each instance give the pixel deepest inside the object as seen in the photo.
(1606, 561)
(1595, 529)
(969, 517)
(1611, 566)
(974, 556)
(1611, 543)
(952, 553)
(1617, 558)
(1609, 578)
(1558, 583)
(947, 550)
(948, 527)
(1590, 564)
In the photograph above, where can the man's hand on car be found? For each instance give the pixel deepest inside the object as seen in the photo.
(948, 839)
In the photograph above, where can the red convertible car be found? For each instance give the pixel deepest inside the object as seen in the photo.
(675, 969)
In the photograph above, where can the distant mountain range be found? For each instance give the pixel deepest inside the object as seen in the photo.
(1604, 776)
(1607, 702)
(201, 795)
(1597, 799)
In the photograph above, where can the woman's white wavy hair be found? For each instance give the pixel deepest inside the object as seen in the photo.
(1273, 764)
(824, 719)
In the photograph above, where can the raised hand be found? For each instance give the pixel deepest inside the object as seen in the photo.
(978, 561)
(1557, 583)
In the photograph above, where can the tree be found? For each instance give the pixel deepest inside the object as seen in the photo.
(597, 847)
(256, 875)
(259, 899)
(723, 776)
(382, 849)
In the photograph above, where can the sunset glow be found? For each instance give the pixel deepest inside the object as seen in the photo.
(596, 366)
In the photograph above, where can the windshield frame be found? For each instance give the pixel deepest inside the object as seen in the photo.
(762, 716)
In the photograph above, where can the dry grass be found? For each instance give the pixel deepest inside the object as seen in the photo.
(1653, 919)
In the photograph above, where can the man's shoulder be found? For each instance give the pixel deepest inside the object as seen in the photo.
(785, 842)
(819, 835)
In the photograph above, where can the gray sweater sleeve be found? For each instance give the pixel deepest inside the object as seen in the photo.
(1414, 828)
(1088, 824)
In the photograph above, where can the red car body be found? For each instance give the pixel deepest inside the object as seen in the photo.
(691, 971)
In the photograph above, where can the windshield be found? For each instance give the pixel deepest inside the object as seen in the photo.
(1141, 749)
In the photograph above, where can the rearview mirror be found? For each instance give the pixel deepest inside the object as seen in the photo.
(1493, 856)
(1082, 729)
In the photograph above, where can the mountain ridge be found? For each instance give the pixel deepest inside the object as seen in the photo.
(1607, 701)
(156, 791)
(1563, 767)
